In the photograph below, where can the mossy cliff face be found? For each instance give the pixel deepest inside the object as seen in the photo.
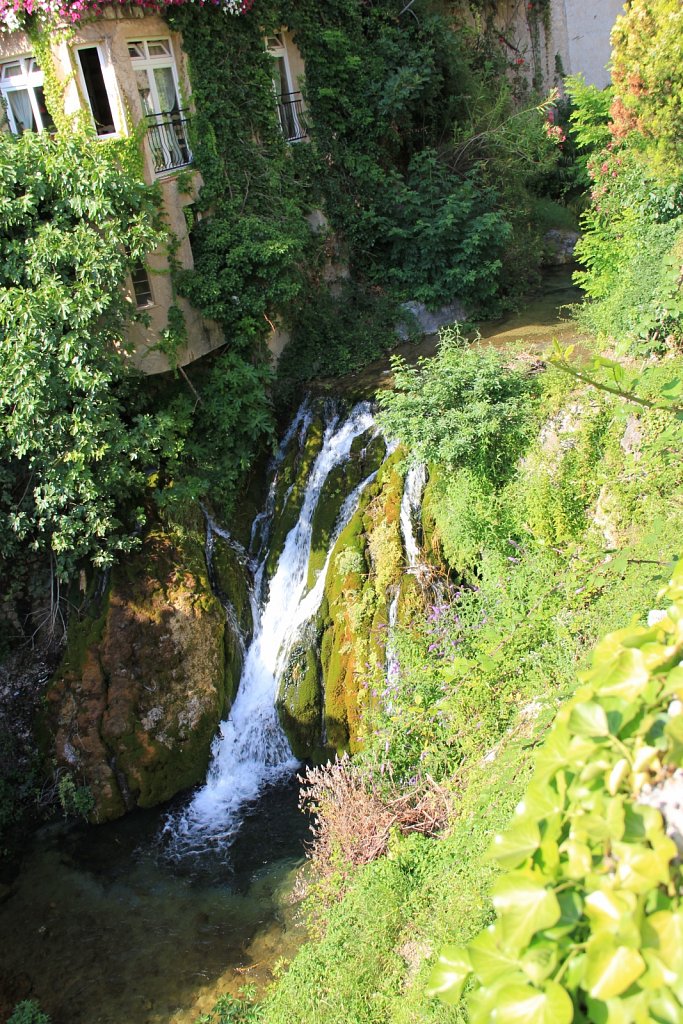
(366, 565)
(142, 687)
(290, 491)
(231, 581)
(325, 686)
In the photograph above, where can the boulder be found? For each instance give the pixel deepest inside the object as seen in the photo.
(137, 699)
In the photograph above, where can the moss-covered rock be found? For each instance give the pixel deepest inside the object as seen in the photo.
(366, 455)
(139, 694)
(231, 582)
(366, 562)
(299, 701)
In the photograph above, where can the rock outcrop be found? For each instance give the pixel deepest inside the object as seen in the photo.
(143, 685)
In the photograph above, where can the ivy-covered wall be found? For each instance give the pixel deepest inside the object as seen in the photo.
(409, 111)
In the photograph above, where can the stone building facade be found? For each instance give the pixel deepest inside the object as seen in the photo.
(124, 68)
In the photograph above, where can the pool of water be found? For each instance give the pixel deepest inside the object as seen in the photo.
(101, 928)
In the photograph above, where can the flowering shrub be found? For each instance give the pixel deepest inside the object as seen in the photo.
(14, 13)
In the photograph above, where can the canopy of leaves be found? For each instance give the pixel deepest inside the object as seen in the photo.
(73, 445)
(647, 72)
(589, 919)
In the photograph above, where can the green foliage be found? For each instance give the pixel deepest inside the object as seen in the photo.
(248, 251)
(632, 240)
(74, 439)
(219, 427)
(413, 138)
(589, 913)
(75, 801)
(589, 117)
(28, 1012)
(648, 80)
(234, 1009)
(465, 409)
(336, 334)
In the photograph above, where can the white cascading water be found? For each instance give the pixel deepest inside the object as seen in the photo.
(411, 505)
(251, 749)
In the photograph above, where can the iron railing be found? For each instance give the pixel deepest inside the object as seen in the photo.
(168, 143)
(290, 110)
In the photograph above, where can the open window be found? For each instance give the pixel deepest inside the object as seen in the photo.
(21, 87)
(289, 101)
(96, 90)
(157, 84)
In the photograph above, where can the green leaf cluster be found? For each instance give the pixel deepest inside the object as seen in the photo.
(468, 408)
(589, 918)
(75, 439)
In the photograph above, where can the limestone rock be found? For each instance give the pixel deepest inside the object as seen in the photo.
(140, 692)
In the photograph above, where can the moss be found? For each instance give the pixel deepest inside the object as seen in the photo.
(299, 702)
(291, 488)
(84, 633)
(365, 457)
(232, 583)
(136, 701)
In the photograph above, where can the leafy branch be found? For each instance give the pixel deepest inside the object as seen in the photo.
(620, 385)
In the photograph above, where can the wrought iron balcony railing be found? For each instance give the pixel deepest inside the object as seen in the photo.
(290, 109)
(168, 143)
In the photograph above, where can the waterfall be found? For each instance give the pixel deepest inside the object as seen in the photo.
(251, 749)
(411, 504)
(409, 519)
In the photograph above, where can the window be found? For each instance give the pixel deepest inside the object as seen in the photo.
(96, 90)
(21, 86)
(289, 102)
(157, 85)
(142, 289)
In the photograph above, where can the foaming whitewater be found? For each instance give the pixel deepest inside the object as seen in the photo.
(251, 749)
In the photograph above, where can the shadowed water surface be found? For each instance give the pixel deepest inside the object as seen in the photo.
(101, 929)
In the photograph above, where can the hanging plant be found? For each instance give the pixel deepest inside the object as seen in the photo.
(14, 13)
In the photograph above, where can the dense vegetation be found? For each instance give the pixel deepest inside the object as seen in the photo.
(632, 242)
(571, 532)
(551, 518)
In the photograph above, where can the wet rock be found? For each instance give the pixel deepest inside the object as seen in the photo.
(559, 246)
(142, 687)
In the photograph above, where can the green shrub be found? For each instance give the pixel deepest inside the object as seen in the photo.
(28, 1012)
(467, 408)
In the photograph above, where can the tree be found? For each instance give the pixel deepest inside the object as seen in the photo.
(74, 444)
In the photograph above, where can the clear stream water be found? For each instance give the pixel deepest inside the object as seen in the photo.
(102, 926)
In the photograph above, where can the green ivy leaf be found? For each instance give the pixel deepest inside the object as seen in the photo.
(449, 975)
(525, 905)
(491, 963)
(589, 719)
(640, 869)
(610, 970)
(520, 842)
(663, 931)
(625, 677)
(524, 1004)
(607, 907)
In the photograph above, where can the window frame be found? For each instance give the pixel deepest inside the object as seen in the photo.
(148, 63)
(110, 85)
(25, 82)
(137, 269)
